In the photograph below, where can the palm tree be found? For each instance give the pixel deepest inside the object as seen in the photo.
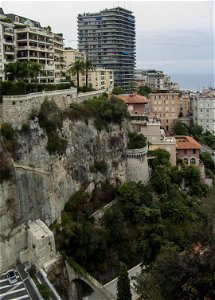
(13, 69)
(76, 68)
(88, 67)
(35, 69)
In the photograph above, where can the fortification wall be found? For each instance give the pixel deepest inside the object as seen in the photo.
(137, 165)
(16, 109)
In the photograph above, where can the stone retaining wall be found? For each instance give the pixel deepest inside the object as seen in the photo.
(16, 109)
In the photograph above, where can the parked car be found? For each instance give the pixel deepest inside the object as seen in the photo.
(11, 276)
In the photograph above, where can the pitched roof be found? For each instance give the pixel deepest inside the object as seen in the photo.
(186, 142)
(133, 98)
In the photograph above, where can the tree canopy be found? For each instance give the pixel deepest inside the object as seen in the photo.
(123, 284)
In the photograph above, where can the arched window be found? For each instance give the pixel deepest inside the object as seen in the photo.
(185, 161)
(192, 161)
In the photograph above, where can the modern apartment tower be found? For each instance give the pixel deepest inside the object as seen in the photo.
(108, 39)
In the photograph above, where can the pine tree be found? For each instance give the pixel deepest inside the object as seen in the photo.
(123, 284)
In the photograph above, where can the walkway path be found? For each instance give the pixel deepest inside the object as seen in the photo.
(32, 169)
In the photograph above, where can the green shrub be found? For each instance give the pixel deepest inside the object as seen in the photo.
(5, 169)
(32, 271)
(22, 88)
(7, 131)
(136, 140)
(34, 114)
(56, 145)
(50, 116)
(25, 128)
(44, 291)
(99, 166)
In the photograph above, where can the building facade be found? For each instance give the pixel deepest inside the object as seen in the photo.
(108, 39)
(166, 106)
(7, 44)
(154, 79)
(25, 40)
(203, 106)
(137, 104)
(98, 78)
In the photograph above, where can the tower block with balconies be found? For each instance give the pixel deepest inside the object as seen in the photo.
(108, 39)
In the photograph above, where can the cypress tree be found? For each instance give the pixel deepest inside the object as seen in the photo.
(123, 284)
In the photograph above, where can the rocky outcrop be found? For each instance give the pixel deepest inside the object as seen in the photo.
(42, 183)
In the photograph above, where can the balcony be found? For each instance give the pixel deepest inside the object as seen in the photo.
(9, 50)
(49, 67)
(9, 31)
(8, 41)
(9, 60)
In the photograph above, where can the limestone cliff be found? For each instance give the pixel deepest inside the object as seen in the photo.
(42, 183)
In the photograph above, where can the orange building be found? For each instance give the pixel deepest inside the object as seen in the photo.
(165, 105)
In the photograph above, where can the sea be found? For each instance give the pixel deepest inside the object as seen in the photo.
(194, 82)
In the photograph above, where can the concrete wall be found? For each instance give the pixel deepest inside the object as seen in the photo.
(151, 131)
(34, 243)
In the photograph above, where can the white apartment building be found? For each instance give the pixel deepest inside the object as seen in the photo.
(154, 79)
(204, 110)
(7, 44)
(23, 39)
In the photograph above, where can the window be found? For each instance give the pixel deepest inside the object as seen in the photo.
(192, 161)
(185, 161)
(185, 151)
(194, 151)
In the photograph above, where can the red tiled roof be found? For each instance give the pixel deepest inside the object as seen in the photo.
(186, 142)
(133, 98)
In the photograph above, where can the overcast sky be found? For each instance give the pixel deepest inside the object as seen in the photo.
(174, 36)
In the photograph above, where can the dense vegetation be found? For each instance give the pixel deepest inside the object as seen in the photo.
(9, 139)
(5, 169)
(103, 110)
(175, 209)
(136, 140)
(144, 90)
(206, 138)
(51, 119)
(21, 87)
(123, 284)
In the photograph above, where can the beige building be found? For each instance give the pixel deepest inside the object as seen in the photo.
(99, 78)
(24, 39)
(166, 106)
(150, 127)
(7, 44)
(59, 61)
(71, 55)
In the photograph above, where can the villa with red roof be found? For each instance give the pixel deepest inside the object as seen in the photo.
(136, 103)
(188, 149)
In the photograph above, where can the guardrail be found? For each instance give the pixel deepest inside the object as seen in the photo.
(28, 96)
(141, 151)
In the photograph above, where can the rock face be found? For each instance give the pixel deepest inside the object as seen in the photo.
(43, 183)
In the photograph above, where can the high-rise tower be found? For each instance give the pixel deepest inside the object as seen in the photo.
(108, 38)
